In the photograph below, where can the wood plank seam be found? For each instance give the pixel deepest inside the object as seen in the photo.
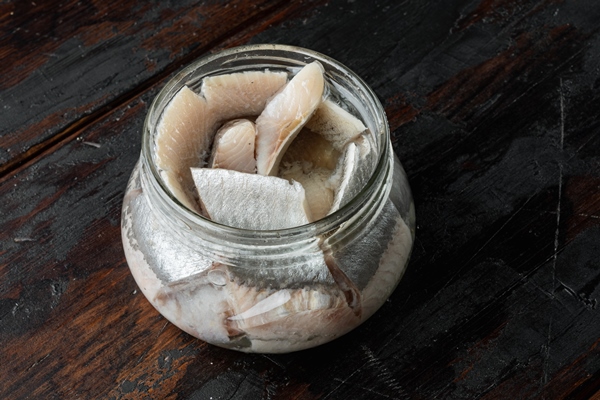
(72, 131)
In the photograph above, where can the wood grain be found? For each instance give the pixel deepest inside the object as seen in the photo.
(67, 64)
(493, 107)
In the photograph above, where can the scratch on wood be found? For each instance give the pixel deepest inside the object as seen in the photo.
(93, 144)
(588, 215)
(23, 239)
(537, 83)
(162, 329)
(38, 362)
(547, 353)
(513, 215)
(280, 365)
(384, 372)
(557, 231)
(342, 382)
(368, 390)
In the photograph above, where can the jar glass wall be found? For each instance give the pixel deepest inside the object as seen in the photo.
(270, 291)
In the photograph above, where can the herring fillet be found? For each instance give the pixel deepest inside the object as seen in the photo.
(316, 184)
(345, 178)
(285, 114)
(250, 201)
(241, 94)
(310, 160)
(233, 147)
(188, 124)
(184, 133)
(335, 124)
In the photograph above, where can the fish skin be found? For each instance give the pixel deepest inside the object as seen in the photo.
(250, 201)
(285, 115)
(233, 147)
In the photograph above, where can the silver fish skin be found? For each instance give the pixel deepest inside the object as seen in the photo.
(250, 201)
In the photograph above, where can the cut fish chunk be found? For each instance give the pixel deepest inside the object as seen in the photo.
(335, 124)
(316, 184)
(346, 179)
(284, 116)
(184, 134)
(241, 94)
(233, 147)
(250, 201)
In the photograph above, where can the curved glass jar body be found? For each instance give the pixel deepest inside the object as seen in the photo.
(270, 291)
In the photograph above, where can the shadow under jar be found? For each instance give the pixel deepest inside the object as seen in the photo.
(270, 291)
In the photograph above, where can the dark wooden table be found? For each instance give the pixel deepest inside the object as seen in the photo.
(494, 107)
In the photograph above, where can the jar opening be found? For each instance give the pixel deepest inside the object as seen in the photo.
(264, 56)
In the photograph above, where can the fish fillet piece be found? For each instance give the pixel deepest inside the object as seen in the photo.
(276, 304)
(241, 94)
(276, 321)
(348, 178)
(285, 114)
(316, 183)
(250, 201)
(311, 160)
(335, 124)
(311, 147)
(184, 135)
(233, 147)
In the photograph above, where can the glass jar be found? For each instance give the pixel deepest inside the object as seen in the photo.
(270, 291)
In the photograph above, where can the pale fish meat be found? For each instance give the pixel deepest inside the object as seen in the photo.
(285, 114)
(264, 306)
(352, 172)
(189, 122)
(233, 147)
(372, 260)
(311, 160)
(335, 124)
(183, 138)
(241, 94)
(250, 201)
(236, 308)
(316, 183)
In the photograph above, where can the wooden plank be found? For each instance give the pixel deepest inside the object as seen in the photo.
(493, 109)
(65, 64)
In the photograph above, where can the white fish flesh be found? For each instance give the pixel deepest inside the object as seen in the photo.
(335, 124)
(352, 173)
(316, 183)
(241, 94)
(184, 134)
(285, 114)
(233, 147)
(189, 122)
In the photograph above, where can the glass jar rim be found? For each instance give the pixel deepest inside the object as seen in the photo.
(328, 223)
